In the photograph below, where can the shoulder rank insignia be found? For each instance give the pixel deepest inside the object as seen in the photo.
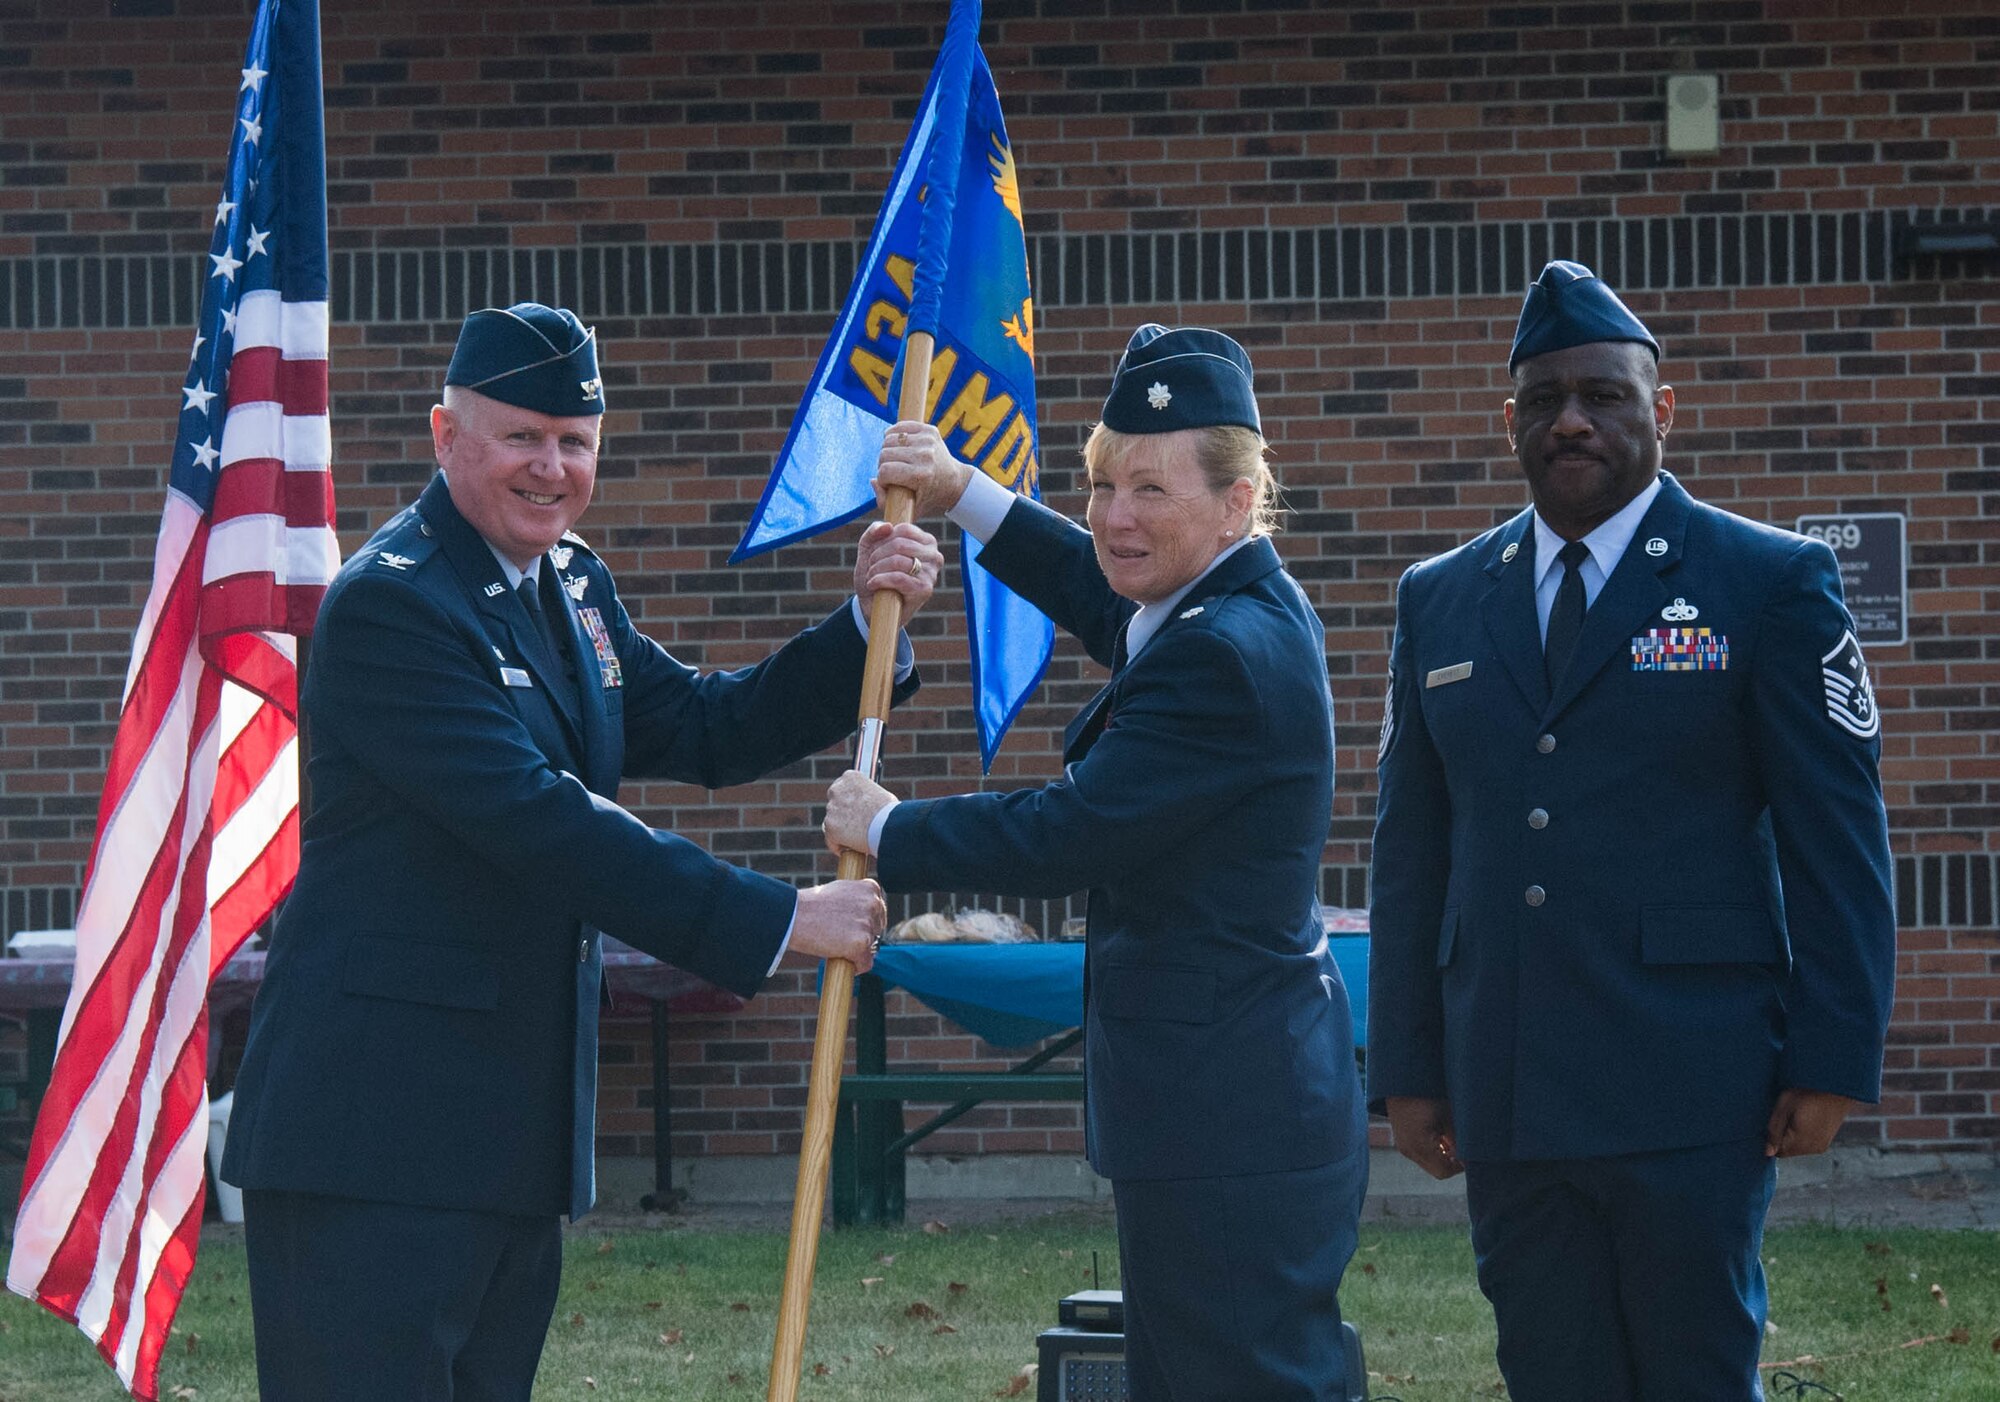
(394, 561)
(560, 556)
(1190, 613)
(1680, 611)
(576, 584)
(1850, 701)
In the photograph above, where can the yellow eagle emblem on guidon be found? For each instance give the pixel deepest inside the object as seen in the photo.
(1007, 185)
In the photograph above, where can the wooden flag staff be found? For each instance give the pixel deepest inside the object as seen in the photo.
(836, 993)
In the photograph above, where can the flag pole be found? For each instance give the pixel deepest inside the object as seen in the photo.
(836, 994)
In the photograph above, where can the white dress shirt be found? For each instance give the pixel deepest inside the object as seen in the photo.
(1607, 547)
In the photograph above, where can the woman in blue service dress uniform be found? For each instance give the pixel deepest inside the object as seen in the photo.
(1222, 1099)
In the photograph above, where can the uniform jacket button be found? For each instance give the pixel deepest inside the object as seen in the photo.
(1546, 743)
(1538, 818)
(1536, 895)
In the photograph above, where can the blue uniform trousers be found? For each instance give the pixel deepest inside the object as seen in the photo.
(1632, 1278)
(361, 1301)
(1230, 1283)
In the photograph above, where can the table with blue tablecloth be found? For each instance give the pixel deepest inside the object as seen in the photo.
(1009, 995)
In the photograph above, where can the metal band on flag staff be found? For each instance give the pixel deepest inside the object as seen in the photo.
(949, 85)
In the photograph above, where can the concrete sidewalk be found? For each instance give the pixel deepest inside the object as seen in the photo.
(1846, 1188)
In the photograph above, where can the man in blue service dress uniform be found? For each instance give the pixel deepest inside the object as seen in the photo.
(416, 1103)
(1633, 936)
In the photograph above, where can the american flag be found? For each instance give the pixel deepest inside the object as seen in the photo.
(197, 829)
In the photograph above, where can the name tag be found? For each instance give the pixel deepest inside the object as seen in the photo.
(1445, 676)
(514, 676)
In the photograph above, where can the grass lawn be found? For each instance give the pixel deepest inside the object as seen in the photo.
(925, 1316)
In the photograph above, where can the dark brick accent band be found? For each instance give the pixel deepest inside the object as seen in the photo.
(1326, 265)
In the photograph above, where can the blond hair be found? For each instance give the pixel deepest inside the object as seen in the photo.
(1223, 452)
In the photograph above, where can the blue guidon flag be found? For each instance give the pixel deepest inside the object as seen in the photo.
(948, 256)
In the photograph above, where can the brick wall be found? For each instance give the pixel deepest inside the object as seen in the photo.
(1359, 192)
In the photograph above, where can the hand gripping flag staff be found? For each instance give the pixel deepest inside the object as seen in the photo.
(939, 320)
(197, 828)
(948, 261)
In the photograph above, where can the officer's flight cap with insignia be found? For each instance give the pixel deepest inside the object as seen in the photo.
(530, 356)
(1187, 377)
(1569, 305)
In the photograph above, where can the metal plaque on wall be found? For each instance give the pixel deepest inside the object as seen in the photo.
(1872, 547)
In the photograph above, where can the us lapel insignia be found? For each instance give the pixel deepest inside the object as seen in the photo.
(394, 561)
(1680, 611)
(495, 589)
(1513, 549)
(1190, 613)
(600, 641)
(1656, 547)
(576, 584)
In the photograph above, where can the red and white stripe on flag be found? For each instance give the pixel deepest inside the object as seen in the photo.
(197, 828)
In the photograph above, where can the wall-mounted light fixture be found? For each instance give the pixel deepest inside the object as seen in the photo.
(1936, 240)
(1694, 120)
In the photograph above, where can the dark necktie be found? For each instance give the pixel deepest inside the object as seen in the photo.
(1566, 618)
(530, 599)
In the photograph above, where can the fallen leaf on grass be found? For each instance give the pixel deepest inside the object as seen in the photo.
(656, 1304)
(590, 1382)
(935, 1229)
(193, 1342)
(1937, 1293)
(820, 1370)
(593, 1285)
(673, 1337)
(1876, 1248)
(869, 1282)
(576, 1320)
(739, 1307)
(920, 1310)
(604, 1249)
(944, 1329)
(957, 1287)
(1065, 1254)
(885, 1258)
(1960, 1335)
(182, 1394)
(1368, 1268)
(1018, 1384)
(884, 1350)
(732, 1377)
